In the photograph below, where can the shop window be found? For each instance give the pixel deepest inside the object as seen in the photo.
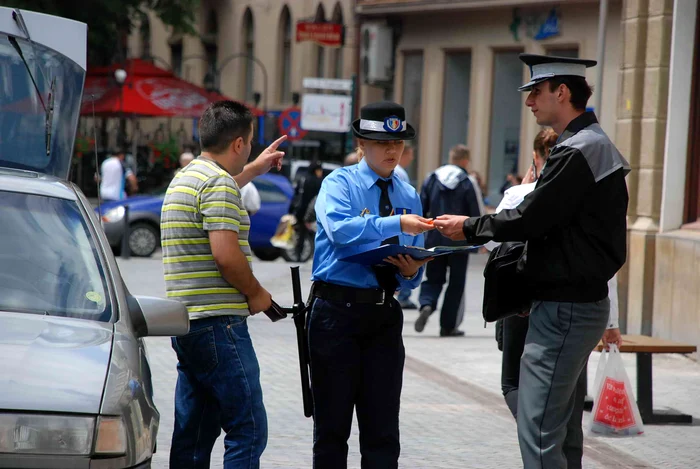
(145, 33)
(505, 123)
(691, 214)
(337, 53)
(320, 53)
(249, 49)
(211, 51)
(411, 99)
(455, 107)
(285, 85)
(176, 57)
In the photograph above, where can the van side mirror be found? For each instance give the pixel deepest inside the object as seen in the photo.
(158, 316)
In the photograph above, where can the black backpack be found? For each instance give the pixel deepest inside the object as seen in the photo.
(506, 291)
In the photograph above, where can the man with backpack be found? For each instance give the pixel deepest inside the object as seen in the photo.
(447, 190)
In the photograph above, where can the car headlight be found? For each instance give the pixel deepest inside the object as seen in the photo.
(46, 434)
(111, 436)
(115, 214)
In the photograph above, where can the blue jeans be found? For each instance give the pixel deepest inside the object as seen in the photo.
(218, 386)
(404, 294)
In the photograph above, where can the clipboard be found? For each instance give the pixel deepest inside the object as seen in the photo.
(376, 256)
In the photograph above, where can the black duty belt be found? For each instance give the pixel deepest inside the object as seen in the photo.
(343, 294)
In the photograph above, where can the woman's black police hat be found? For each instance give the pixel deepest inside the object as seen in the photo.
(383, 121)
(545, 67)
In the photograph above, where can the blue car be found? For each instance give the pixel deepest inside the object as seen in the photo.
(144, 218)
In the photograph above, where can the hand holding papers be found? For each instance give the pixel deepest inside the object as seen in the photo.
(377, 256)
(451, 226)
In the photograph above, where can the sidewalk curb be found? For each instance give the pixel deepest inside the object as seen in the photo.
(599, 451)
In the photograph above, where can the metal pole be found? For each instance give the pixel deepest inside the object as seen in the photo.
(602, 21)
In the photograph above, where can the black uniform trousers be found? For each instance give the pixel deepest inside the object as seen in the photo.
(357, 359)
(451, 314)
(514, 333)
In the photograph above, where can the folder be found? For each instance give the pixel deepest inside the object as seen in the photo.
(376, 256)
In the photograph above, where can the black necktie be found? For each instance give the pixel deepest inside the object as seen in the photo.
(386, 274)
(385, 207)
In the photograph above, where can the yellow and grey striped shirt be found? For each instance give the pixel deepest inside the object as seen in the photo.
(202, 197)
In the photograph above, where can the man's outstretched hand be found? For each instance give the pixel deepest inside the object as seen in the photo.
(269, 158)
(450, 226)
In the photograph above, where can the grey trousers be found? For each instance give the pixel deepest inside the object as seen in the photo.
(559, 341)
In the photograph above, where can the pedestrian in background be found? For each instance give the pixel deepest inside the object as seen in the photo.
(116, 178)
(306, 190)
(448, 189)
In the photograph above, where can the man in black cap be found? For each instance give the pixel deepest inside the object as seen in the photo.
(574, 223)
(356, 350)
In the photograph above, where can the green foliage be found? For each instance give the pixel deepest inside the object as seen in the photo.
(110, 20)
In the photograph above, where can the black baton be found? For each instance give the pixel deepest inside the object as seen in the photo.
(299, 315)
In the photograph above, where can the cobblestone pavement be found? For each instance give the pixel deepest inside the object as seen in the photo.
(452, 413)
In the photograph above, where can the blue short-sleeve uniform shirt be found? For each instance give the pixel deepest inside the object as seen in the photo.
(345, 228)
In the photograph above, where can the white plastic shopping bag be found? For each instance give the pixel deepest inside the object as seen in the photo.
(615, 411)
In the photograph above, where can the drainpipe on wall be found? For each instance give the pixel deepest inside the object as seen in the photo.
(602, 21)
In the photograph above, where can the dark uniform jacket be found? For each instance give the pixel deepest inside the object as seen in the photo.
(447, 190)
(574, 221)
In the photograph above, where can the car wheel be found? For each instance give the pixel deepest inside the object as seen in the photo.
(143, 239)
(267, 254)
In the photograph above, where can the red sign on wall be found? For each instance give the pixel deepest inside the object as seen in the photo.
(324, 34)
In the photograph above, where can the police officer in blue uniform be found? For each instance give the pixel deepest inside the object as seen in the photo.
(356, 349)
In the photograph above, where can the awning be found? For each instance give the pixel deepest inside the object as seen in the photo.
(148, 91)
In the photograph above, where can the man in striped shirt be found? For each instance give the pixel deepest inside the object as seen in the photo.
(206, 258)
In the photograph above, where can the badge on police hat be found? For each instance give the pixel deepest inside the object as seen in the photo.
(545, 67)
(383, 121)
(393, 124)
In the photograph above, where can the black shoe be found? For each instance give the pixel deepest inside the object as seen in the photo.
(425, 312)
(451, 332)
(407, 304)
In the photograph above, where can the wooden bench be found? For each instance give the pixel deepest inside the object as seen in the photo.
(644, 347)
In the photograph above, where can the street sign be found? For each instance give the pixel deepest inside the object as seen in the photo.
(334, 84)
(323, 34)
(326, 113)
(289, 123)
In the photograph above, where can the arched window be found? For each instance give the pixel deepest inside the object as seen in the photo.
(145, 33)
(211, 50)
(285, 84)
(249, 50)
(320, 55)
(337, 53)
(176, 54)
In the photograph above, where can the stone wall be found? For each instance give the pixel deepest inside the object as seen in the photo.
(641, 133)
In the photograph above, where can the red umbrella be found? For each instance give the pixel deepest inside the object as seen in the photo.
(147, 91)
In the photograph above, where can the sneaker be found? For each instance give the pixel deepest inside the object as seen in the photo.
(407, 304)
(425, 312)
(451, 332)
